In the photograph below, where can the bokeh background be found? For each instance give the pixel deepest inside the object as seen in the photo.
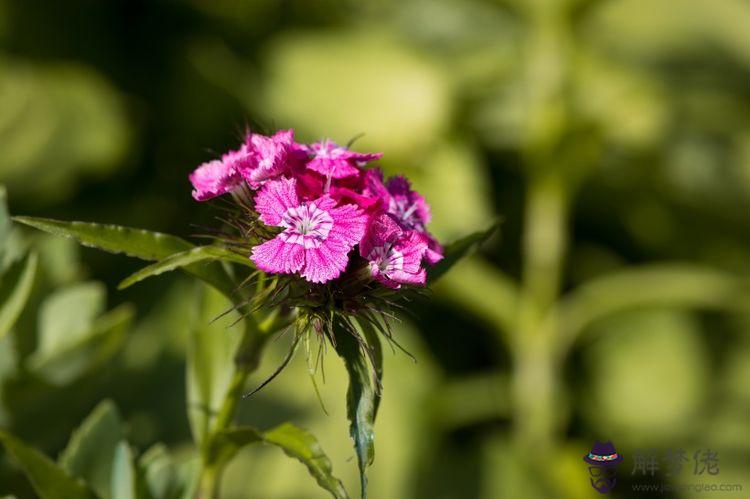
(612, 137)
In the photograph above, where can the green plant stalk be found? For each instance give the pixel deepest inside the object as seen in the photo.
(246, 362)
(535, 384)
(208, 484)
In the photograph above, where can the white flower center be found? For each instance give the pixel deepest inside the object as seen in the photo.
(386, 260)
(328, 149)
(306, 225)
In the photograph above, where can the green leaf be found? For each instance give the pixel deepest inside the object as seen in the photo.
(300, 444)
(5, 225)
(48, 479)
(69, 360)
(15, 289)
(59, 113)
(8, 365)
(72, 339)
(164, 475)
(188, 471)
(376, 357)
(136, 243)
(123, 473)
(183, 259)
(158, 473)
(296, 442)
(361, 399)
(90, 454)
(459, 249)
(66, 316)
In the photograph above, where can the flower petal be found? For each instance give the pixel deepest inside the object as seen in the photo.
(434, 251)
(212, 179)
(349, 223)
(272, 156)
(335, 161)
(275, 198)
(413, 247)
(381, 230)
(418, 278)
(278, 256)
(326, 262)
(333, 167)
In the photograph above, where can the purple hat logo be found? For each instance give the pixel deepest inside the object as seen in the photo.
(603, 459)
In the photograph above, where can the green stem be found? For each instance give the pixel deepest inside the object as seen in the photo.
(212, 467)
(535, 382)
(536, 376)
(246, 361)
(208, 485)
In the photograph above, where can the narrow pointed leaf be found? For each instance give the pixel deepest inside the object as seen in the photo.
(296, 443)
(183, 259)
(90, 454)
(376, 357)
(4, 222)
(300, 444)
(15, 288)
(65, 361)
(137, 243)
(48, 479)
(459, 249)
(123, 484)
(157, 473)
(361, 401)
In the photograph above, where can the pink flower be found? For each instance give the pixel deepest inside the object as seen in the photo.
(407, 207)
(434, 251)
(217, 177)
(257, 160)
(366, 191)
(310, 185)
(270, 156)
(394, 254)
(335, 161)
(317, 235)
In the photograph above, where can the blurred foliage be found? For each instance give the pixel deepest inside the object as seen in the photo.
(59, 122)
(607, 134)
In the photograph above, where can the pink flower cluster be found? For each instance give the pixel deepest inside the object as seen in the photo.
(327, 204)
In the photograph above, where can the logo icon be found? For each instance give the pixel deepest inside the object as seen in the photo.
(603, 460)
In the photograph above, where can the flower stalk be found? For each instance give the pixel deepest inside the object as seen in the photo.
(246, 361)
(535, 382)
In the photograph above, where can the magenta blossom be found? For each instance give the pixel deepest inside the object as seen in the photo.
(394, 254)
(412, 212)
(408, 207)
(334, 161)
(271, 156)
(323, 199)
(257, 160)
(217, 177)
(434, 251)
(317, 235)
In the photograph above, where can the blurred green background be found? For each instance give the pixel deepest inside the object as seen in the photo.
(611, 136)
